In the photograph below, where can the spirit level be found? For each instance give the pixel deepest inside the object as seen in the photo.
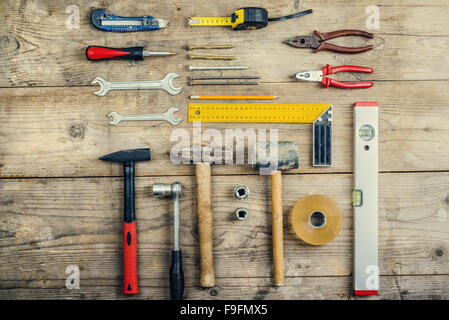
(365, 198)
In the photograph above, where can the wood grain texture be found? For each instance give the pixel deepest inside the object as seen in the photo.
(307, 288)
(49, 132)
(39, 50)
(60, 206)
(48, 224)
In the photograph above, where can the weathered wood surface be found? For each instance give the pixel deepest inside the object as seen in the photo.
(307, 288)
(38, 49)
(61, 132)
(47, 228)
(59, 205)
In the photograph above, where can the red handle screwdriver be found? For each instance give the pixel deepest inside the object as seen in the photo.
(94, 53)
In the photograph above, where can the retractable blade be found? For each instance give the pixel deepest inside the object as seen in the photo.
(108, 22)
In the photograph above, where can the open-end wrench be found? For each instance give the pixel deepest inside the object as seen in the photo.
(167, 116)
(164, 84)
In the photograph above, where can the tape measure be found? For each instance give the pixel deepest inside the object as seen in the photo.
(256, 112)
(248, 18)
(318, 114)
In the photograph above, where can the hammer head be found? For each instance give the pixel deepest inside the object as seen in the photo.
(132, 155)
(283, 155)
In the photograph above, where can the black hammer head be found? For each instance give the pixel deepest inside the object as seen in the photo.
(132, 155)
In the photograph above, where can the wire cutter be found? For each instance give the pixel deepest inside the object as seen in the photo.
(317, 76)
(317, 41)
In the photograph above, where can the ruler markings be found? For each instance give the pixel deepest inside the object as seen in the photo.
(254, 112)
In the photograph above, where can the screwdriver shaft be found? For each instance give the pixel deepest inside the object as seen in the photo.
(157, 54)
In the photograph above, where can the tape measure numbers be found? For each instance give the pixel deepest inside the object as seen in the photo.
(318, 114)
(248, 18)
(256, 112)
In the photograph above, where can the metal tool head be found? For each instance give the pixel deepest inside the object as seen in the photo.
(132, 155)
(105, 86)
(306, 75)
(309, 42)
(171, 116)
(167, 84)
(283, 155)
(116, 118)
(206, 154)
(167, 190)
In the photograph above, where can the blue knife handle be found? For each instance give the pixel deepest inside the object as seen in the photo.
(99, 15)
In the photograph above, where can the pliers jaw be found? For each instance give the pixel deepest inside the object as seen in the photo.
(318, 76)
(307, 75)
(309, 42)
(318, 41)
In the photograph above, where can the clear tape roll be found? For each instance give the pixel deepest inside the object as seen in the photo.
(316, 219)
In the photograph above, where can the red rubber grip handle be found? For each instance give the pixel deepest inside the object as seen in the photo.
(130, 258)
(328, 70)
(101, 53)
(94, 53)
(345, 85)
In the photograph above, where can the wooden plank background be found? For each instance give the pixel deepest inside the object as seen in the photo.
(60, 206)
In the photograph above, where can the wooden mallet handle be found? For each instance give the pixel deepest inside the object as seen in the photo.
(277, 225)
(205, 224)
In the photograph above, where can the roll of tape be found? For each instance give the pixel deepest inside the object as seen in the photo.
(316, 219)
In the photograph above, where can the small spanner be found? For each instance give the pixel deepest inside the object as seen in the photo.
(164, 84)
(167, 116)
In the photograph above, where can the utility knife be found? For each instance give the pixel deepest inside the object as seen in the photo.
(108, 22)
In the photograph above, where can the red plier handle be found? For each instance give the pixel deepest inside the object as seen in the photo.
(346, 85)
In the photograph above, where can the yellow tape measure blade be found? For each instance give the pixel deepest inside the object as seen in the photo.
(210, 21)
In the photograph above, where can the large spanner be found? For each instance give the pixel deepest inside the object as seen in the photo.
(164, 84)
(167, 116)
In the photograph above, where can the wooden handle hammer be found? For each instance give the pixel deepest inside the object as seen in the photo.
(272, 158)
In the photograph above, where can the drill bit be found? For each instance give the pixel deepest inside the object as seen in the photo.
(192, 68)
(226, 78)
(208, 83)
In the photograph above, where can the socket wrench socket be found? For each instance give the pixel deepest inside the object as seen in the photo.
(241, 213)
(241, 191)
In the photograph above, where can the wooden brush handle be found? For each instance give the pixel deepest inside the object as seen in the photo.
(205, 224)
(278, 236)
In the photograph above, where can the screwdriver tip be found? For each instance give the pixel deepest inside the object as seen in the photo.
(172, 53)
